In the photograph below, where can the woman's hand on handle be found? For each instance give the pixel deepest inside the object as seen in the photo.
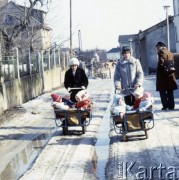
(136, 86)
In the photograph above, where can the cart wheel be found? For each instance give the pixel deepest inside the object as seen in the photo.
(65, 130)
(83, 129)
(146, 132)
(124, 137)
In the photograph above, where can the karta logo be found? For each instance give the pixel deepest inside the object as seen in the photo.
(160, 172)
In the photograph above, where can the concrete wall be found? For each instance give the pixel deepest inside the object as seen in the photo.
(18, 91)
(30, 87)
(44, 72)
(52, 79)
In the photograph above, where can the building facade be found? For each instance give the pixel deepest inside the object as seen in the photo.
(143, 43)
(36, 36)
(176, 22)
(113, 54)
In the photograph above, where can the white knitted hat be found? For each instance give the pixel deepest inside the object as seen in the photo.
(73, 61)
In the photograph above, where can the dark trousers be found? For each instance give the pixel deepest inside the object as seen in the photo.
(73, 94)
(129, 100)
(167, 99)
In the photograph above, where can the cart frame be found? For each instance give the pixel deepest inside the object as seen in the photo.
(143, 118)
(62, 121)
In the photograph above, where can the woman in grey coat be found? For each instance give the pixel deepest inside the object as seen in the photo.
(128, 74)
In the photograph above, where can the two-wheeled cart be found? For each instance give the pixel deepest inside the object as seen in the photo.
(133, 121)
(72, 118)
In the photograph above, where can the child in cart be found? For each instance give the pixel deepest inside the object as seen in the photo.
(133, 118)
(119, 106)
(146, 102)
(72, 113)
(138, 94)
(62, 103)
(143, 101)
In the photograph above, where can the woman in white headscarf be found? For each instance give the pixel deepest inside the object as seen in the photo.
(75, 77)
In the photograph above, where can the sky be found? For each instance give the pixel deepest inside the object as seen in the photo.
(102, 21)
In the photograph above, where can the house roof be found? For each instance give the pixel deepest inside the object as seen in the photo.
(161, 24)
(126, 38)
(114, 50)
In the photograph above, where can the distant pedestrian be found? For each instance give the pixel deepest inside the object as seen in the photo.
(128, 74)
(75, 77)
(165, 83)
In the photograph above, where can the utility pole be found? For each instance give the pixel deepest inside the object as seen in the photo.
(79, 41)
(166, 7)
(70, 29)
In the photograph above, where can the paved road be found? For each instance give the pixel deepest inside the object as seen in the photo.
(154, 158)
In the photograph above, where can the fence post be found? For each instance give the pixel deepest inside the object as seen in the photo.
(49, 65)
(41, 67)
(29, 60)
(1, 73)
(59, 57)
(17, 73)
(54, 56)
(63, 60)
(67, 57)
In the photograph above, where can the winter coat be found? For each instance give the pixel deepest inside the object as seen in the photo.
(165, 82)
(60, 105)
(136, 103)
(83, 104)
(80, 79)
(145, 104)
(128, 73)
(83, 99)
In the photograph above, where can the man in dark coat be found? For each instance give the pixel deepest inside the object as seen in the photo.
(75, 77)
(165, 83)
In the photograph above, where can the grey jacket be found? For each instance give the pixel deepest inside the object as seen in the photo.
(128, 73)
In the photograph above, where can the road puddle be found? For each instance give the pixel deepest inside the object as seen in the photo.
(94, 162)
(18, 162)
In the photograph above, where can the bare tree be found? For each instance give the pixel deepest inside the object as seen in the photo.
(9, 35)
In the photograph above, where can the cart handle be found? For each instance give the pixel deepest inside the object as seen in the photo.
(120, 91)
(74, 88)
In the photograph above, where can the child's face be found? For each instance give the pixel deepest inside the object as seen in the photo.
(144, 98)
(120, 100)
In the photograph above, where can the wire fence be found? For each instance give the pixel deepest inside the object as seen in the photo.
(19, 64)
(8, 67)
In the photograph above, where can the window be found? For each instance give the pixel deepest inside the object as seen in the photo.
(9, 20)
